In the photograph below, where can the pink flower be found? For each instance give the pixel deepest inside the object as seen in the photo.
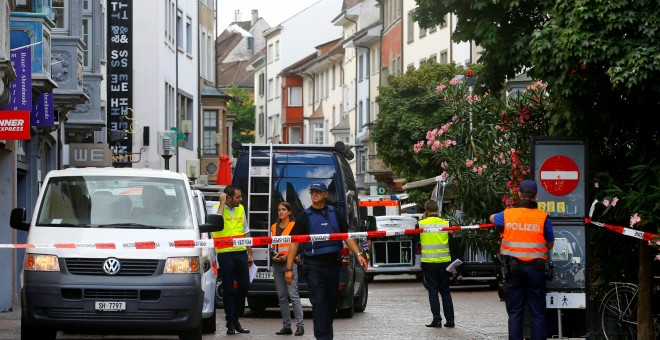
(596, 185)
(469, 162)
(418, 147)
(634, 219)
(614, 200)
(440, 87)
(606, 203)
(657, 257)
(454, 81)
(444, 165)
(444, 175)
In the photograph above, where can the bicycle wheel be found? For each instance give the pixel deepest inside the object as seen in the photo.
(619, 313)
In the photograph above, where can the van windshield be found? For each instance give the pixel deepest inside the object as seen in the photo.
(115, 202)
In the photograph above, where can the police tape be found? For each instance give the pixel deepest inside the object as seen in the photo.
(229, 242)
(642, 235)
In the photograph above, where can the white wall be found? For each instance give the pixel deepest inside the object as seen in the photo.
(154, 64)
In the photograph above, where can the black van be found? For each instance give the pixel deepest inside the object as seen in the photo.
(268, 174)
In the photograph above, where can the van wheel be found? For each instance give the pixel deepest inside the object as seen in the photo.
(360, 302)
(347, 312)
(30, 333)
(208, 324)
(192, 334)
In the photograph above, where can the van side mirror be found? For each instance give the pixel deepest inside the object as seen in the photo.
(213, 223)
(17, 219)
(370, 222)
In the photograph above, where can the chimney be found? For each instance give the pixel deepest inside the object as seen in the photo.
(255, 16)
(237, 15)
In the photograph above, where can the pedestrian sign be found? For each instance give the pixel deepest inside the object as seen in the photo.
(561, 300)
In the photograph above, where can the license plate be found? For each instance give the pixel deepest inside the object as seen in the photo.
(110, 306)
(264, 275)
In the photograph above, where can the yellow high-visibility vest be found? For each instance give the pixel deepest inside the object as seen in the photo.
(234, 226)
(435, 245)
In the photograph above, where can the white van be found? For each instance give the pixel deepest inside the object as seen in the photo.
(103, 260)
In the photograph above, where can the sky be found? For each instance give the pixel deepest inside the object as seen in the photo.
(273, 11)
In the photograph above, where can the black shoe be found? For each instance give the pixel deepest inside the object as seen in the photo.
(449, 325)
(240, 329)
(231, 330)
(300, 330)
(436, 324)
(284, 331)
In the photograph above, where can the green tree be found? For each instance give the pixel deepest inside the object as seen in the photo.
(242, 105)
(478, 143)
(601, 61)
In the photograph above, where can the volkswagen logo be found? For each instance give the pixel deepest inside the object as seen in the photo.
(111, 266)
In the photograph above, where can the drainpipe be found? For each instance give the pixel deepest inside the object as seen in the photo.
(176, 80)
(356, 78)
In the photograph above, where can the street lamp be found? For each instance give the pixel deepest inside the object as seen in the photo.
(192, 169)
(186, 127)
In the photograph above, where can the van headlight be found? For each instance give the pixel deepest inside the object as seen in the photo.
(41, 262)
(181, 265)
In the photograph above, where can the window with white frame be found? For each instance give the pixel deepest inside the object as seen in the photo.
(270, 53)
(360, 68)
(169, 109)
(271, 89)
(443, 57)
(60, 9)
(210, 130)
(86, 5)
(277, 50)
(189, 39)
(295, 96)
(262, 84)
(86, 35)
(278, 87)
(327, 83)
(310, 92)
(179, 30)
(186, 112)
(203, 65)
(317, 133)
(410, 28)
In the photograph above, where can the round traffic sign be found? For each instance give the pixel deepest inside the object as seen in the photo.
(559, 175)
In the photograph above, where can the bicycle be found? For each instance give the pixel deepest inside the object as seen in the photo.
(619, 311)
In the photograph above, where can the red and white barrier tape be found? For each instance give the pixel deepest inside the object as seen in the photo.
(227, 242)
(642, 235)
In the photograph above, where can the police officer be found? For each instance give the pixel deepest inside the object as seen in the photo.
(526, 239)
(233, 261)
(435, 259)
(321, 260)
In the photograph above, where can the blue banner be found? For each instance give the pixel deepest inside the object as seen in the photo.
(20, 89)
(43, 113)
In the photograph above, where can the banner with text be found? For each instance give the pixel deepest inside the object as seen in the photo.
(15, 125)
(20, 89)
(43, 113)
(120, 65)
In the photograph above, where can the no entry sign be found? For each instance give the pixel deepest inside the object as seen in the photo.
(559, 175)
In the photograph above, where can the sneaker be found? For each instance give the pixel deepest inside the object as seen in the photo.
(284, 331)
(300, 330)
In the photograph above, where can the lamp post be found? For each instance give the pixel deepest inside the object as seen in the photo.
(192, 169)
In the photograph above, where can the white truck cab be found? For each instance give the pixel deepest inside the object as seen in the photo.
(101, 257)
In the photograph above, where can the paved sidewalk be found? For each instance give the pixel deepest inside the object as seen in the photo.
(10, 322)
